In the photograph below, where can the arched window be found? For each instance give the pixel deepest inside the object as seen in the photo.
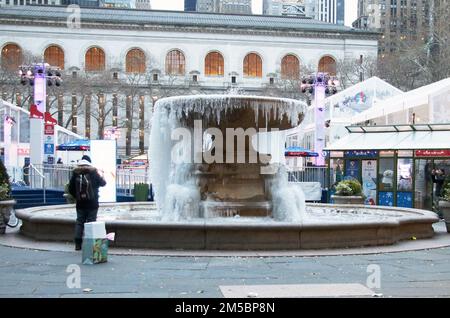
(175, 63)
(327, 64)
(253, 65)
(290, 67)
(54, 55)
(135, 61)
(11, 56)
(214, 64)
(95, 60)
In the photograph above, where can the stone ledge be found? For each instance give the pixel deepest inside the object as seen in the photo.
(204, 235)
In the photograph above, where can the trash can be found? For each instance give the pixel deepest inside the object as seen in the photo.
(141, 191)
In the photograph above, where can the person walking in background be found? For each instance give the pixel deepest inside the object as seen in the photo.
(26, 172)
(438, 177)
(83, 186)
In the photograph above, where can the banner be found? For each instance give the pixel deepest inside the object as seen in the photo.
(369, 181)
(352, 169)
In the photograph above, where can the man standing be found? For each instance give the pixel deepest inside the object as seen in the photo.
(83, 186)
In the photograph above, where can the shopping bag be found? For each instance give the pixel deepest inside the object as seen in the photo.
(95, 251)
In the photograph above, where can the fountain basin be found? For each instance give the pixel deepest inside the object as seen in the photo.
(138, 225)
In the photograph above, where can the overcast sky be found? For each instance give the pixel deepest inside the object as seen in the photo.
(350, 7)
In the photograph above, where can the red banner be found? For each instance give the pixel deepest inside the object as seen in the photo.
(433, 153)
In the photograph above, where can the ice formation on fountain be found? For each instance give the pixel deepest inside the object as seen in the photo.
(175, 182)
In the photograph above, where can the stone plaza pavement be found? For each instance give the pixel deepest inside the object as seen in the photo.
(31, 273)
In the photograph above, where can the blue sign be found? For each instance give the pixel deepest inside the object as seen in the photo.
(361, 153)
(49, 149)
(352, 169)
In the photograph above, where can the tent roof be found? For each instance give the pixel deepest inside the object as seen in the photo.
(402, 140)
(411, 99)
(360, 97)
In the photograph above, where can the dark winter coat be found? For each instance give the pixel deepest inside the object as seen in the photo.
(97, 182)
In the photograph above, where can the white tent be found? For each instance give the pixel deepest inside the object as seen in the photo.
(433, 100)
(360, 97)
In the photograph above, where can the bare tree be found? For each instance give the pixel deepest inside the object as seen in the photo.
(288, 86)
(351, 71)
(10, 86)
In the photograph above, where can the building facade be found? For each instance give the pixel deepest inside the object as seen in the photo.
(143, 4)
(405, 20)
(190, 5)
(4, 3)
(294, 8)
(331, 11)
(127, 4)
(82, 3)
(117, 65)
(224, 6)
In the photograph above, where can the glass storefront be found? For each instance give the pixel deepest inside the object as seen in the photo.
(411, 178)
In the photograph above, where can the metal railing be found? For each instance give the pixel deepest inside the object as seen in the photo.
(37, 180)
(57, 176)
(310, 174)
(16, 175)
(126, 178)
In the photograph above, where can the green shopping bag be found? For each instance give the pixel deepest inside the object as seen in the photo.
(94, 251)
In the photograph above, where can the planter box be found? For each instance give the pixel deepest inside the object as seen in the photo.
(5, 212)
(444, 206)
(341, 199)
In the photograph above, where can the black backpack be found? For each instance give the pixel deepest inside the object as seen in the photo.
(84, 188)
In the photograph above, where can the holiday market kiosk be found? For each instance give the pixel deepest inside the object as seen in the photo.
(395, 164)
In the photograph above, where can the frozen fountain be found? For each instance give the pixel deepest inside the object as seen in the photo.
(232, 177)
(242, 202)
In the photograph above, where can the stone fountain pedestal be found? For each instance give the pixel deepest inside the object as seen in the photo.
(238, 182)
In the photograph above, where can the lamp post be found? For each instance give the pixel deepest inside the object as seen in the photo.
(40, 75)
(317, 87)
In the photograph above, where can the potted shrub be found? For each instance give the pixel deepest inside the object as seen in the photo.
(348, 192)
(6, 201)
(444, 203)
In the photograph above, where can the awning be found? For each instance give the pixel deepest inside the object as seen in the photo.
(299, 152)
(76, 145)
(402, 140)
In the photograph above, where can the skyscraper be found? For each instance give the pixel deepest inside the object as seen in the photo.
(298, 8)
(331, 11)
(340, 12)
(82, 3)
(190, 5)
(116, 4)
(143, 4)
(28, 2)
(225, 6)
(397, 20)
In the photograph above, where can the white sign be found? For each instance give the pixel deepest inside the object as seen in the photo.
(103, 156)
